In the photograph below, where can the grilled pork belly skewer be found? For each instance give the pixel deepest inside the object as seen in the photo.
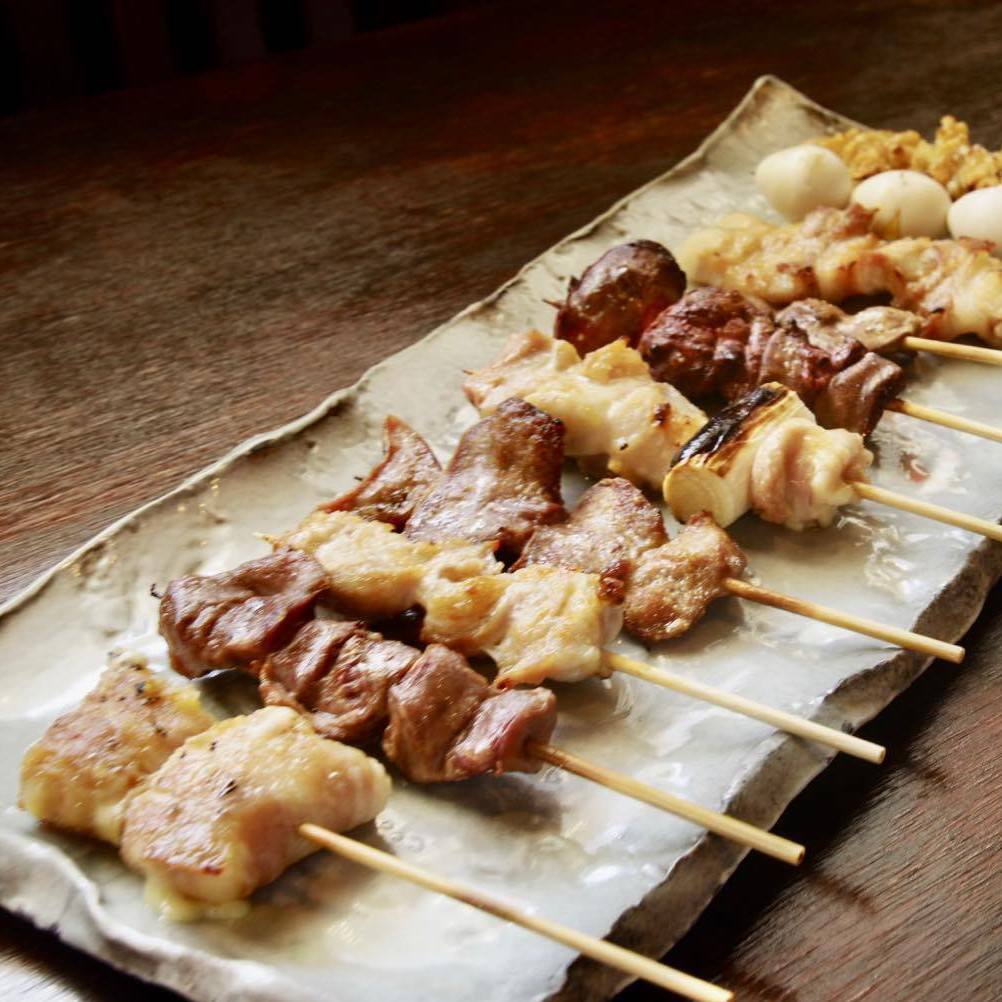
(229, 808)
(719, 342)
(954, 285)
(766, 453)
(440, 721)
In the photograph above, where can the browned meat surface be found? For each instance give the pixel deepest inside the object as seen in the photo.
(338, 675)
(406, 473)
(619, 295)
(709, 343)
(447, 723)
(856, 398)
(611, 526)
(502, 483)
(79, 773)
(228, 620)
(672, 585)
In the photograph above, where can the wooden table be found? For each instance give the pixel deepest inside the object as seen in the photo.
(183, 266)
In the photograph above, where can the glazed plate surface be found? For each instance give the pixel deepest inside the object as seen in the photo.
(562, 846)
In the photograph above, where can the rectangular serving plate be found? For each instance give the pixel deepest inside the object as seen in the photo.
(572, 851)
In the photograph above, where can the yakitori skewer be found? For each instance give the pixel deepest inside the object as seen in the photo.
(633, 442)
(598, 949)
(954, 350)
(140, 764)
(439, 719)
(714, 342)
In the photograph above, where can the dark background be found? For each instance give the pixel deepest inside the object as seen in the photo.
(52, 49)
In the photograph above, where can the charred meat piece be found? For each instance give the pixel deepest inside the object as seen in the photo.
(78, 774)
(406, 473)
(619, 295)
(228, 620)
(709, 343)
(447, 723)
(221, 816)
(502, 482)
(611, 526)
(672, 585)
(338, 675)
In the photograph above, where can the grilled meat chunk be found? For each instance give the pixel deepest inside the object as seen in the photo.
(79, 773)
(502, 482)
(709, 343)
(338, 675)
(406, 473)
(610, 527)
(446, 723)
(672, 584)
(619, 295)
(228, 620)
(221, 816)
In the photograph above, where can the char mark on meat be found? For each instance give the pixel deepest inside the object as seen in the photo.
(619, 295)
(406, 473)
(726, 424)
(502, 483)
(229, 620)
(446, 723)
(611, 526)
(338, 675)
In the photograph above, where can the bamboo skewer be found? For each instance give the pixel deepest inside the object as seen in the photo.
(966, 352)
(947, 420)
(720, 824)
(598, 949)
(780, 719)
(858, 624)
(934, 511)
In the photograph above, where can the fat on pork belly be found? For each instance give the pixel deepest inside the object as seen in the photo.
(618, 295)
(718, 342)
(79, 774)
(666, 585)
(228, 620)
(502, 482)
(220, 818)
(954, 285)
(614, 414)
(766, 453)
(406, 473)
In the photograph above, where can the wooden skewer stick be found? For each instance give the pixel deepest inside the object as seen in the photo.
(858, 624)
(598, 949)
(720, 824)
(966, 352)
(779, 719)
(947, 420)
(946, 515)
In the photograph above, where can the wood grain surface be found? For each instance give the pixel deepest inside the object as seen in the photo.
(185, 265)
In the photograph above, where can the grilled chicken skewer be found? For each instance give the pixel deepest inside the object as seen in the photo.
(954, 285)
(439, 719)
(530, 364)
(210, 817)
(720, 342)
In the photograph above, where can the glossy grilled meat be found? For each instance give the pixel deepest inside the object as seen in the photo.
(228, 620)
(709, 343)
(619, 295)
(717, 342)
(337, 674)
(502, 483)
(406, 473)
(610, 527)
(446, 723)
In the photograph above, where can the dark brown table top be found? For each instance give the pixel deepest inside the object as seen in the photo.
(184, 266)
